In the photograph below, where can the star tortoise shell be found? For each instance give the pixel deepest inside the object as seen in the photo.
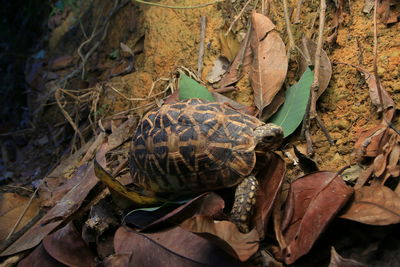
(192, 146)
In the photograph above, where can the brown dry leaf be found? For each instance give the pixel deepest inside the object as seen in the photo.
(339, 261)
(313, 202)
(61, 62)
(40, 258)
(233, 104)
(11, 207)
(174, 247)
(240, 65)
(273, 107)
(270, 179)
(270, 62)
(67, 246)
(385, 12)
(393, 167)
(370, 142)
(376, 205)
(309, 48)
(120, 260)
(380, 162)
(229, 45)
(373, 91)
(122, 133)
(218, 70)
(62, 210)
(226, 234)
(209, 204)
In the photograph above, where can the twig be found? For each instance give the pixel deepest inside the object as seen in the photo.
(57, 95)
(312, 111)
(292, 44)
(177, 7)
(317, 65)
(288, 28)
(237, 17)
(203, 23)
(298, 12)
(25, 210)
(375, 62)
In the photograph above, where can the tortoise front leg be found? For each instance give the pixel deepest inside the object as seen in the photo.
(245, 199)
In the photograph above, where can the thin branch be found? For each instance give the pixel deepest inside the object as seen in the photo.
(24, 211)
(292, 45)
(375, 62)
(203, 24)
(237, 17)
(317, 65)
(298, 12)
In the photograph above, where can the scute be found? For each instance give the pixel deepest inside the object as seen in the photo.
(193, 145)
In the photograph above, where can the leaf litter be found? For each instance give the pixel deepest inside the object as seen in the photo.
(212, 239)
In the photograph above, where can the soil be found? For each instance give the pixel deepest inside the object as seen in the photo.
(165, 39)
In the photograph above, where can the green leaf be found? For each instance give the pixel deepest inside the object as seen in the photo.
(189, 88)
(290, 115)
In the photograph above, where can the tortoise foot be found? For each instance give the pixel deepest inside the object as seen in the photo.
(245, 199)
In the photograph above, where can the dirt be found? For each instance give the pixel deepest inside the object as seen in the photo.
(172, 40)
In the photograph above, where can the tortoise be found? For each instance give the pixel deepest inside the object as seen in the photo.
(195, 146)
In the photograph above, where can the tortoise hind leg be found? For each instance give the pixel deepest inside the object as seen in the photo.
(245, 199)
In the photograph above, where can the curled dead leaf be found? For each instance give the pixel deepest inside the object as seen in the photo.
(270, 62)
(270, 179)
(67, 246)
(226, 235)
(376, 205)
(313, 202)
(325, 74)
(62, 210)
(240, 65)
(339, 261)
(174, 247)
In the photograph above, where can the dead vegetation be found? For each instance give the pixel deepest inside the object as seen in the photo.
(331, 67)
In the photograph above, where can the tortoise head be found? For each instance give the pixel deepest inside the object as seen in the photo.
(268, 136)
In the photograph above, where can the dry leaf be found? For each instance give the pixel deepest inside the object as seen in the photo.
(67, 246)
(61, 62)
(240, 65)
(339, 261)
(325, 74)
(373, 91)
(40, 258)
(174, 247)
(62, 210)
(270, 179)
(226, 235)
(376, 205)
(218, 70)
(233, 104)
(208, 204)
(273, 107)
(11, 207)
(369, 143)
(229, 45)
(313, 202)
(269, 67)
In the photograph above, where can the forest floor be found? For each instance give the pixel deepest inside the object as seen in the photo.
(107, 61)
